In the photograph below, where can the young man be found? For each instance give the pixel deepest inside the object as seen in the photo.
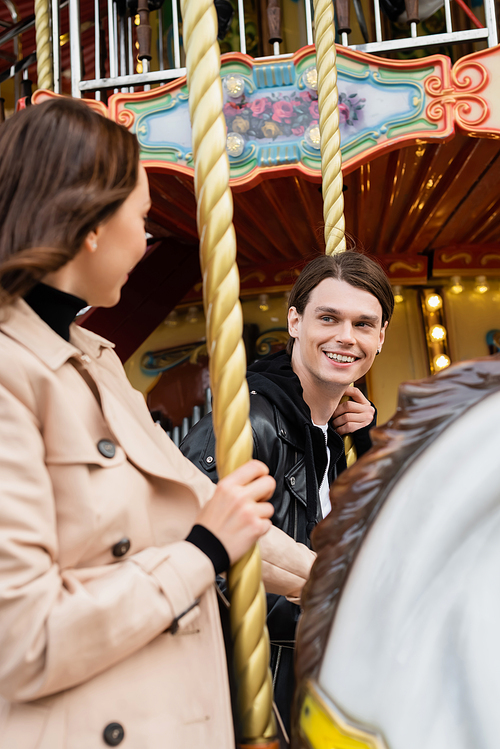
(339, 309)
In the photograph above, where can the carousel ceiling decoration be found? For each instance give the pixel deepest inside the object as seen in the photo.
(414, 178)
(271, 111)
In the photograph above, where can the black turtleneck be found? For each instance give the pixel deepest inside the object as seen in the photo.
(56, 308)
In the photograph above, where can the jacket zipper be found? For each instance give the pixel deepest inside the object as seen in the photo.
(296, 510)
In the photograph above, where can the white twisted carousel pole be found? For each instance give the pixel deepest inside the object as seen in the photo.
(328, 97)
(331, 157)
(45, 73)
(227, 354)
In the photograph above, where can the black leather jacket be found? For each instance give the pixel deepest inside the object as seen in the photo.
(294, 451)
(280, 444)
(282, 434)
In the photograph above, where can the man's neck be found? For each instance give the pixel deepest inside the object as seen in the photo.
(322, 400)
(322, 406)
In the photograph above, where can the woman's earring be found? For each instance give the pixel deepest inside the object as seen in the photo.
(94, 245)
(378, 352)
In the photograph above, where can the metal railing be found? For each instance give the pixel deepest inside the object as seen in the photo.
(177, 433)
(115, 40)
(122, 46)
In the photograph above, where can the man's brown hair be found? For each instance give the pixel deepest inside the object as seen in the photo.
(64, 169)
(351, 266)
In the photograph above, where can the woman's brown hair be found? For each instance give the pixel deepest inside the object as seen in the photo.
(64, 169)
(354, 268)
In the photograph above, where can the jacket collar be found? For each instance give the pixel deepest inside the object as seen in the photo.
(20, 322)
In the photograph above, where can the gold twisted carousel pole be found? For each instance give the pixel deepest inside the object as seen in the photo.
(328, 97)
(43, 46)
(227, 354)
(331, 157)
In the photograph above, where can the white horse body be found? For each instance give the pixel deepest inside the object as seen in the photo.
(414, 650)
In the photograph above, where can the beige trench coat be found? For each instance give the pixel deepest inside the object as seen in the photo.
(82, 631)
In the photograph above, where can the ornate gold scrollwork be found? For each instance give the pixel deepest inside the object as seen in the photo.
(287, 275)
(257, 274)
(489, 257)
(412, 268)
(456, 256)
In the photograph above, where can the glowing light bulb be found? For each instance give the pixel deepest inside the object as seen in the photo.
(434, 302)
(310, 78)
(192, 315)
(235, 144)
(171, 319)
(456, 285)
(441, 361)
(234, 85)
(312, 136)
(263, 302)
(398, 294)
(437, 333)
(481, 286)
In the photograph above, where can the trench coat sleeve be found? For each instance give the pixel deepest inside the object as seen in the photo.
(50, 616)
(286, 564)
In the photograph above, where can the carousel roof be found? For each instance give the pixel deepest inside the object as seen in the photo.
(411, 201)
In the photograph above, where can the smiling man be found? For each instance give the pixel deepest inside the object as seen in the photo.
(339, 309)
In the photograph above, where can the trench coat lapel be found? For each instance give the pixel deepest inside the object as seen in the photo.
(123, 407)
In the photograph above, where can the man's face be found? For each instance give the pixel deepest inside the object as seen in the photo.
(337, 337)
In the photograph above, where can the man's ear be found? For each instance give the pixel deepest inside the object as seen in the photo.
(382, 335)
(293, 322)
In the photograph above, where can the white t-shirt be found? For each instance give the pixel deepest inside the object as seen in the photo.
(324, 489)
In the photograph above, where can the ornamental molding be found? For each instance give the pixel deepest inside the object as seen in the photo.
(272, 117)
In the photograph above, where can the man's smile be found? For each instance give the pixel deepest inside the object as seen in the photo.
(340, 358)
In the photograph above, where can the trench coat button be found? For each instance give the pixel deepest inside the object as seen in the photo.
(292, 481)
(121, 548)
(106, 448)
(85, 358)
(282, 432)
(210, 459)
(113, 734)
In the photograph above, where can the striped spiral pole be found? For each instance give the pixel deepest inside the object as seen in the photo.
(227, 353)
(45, 73)
(328, 97)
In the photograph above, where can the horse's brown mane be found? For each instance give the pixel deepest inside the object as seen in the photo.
(425, 409)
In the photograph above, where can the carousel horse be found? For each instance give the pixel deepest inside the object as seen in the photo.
(399, 644)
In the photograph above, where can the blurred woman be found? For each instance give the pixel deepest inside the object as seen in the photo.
(110, 539)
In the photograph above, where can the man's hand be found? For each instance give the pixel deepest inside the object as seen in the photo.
(354, 414)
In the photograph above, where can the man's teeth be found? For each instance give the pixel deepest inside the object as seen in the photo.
(340, 358)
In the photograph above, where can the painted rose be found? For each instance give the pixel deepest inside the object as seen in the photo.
(305, 96)
(344, 112)
(259, 106)
(282, 111)
(230, 109)
(299, 130)
(313, 110)
(270, 129)
(240, 124)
